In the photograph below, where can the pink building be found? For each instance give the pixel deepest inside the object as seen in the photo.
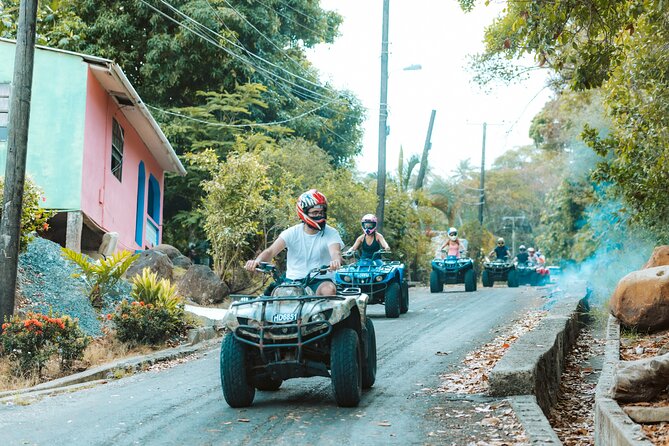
(95, 150)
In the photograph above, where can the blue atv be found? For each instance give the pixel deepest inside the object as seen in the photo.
(382, 280)
(452, 270)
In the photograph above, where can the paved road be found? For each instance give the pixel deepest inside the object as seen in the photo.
(183, 405)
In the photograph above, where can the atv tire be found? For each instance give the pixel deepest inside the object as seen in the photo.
(393, 298)
(436, 285)
(486, 281)
(269, 384)
(470, 280)
(237, 389)
(345, 367)
(512, 279)
(404, 301)
(369, 363)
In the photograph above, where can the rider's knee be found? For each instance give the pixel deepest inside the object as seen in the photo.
(327, 289)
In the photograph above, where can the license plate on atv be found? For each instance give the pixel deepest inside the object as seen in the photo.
(284, 317)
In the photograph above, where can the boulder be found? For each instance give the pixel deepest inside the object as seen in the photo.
(659, 257)
(182, 262)
(169, 250)
(201, 285)
(156, 261)
(641, 299)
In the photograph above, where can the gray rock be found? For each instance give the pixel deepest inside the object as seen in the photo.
(645, 414)
(169, 250)
(182, 262)
(201, 285)
(158, 262)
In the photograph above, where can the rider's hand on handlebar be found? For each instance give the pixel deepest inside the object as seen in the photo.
(334, 265)
(251, 265)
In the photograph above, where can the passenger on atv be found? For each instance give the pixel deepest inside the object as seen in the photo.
(451, 247)
(370, 241)
(501, 252)
(310, 244)
(523, 257)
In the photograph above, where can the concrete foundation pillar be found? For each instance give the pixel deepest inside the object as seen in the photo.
(75, 224)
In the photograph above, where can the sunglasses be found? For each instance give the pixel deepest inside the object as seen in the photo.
(500, 243)
(316, 214)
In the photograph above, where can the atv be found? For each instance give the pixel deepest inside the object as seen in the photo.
(499, 270)
(530, 273)
(452, 270)
(383, 281)
(294, 333)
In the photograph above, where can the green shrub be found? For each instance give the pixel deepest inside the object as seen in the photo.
(31, 341)
(33, 217)
(100, 276)
(149, 289)
(140, 323)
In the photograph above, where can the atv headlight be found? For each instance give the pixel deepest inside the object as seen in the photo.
(379, 278)
(321, 317)
(346, 278)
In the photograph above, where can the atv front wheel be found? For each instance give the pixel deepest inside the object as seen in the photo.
(269, 384)
(404, 301)
(470, 280)
(436, 285)
(237, 389)
(393, 300)
(485, 279)
(345, 367)
(369, 364)
(512, 279)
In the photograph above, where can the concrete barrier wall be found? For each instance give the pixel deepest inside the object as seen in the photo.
(534, 364)
(612, 425)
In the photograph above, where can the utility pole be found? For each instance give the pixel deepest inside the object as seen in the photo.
(17, 149)
(428, 145)
(383, 118)
(482, 185)
(513, 230)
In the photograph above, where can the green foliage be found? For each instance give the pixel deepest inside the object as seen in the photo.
(58, 24)
(33, 217)
(622, 48)
(564, 219)
(149, 289)
(140, 323)
(33, 340)
(102, 275)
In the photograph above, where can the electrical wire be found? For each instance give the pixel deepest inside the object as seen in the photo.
(253, 124)
(228, 51)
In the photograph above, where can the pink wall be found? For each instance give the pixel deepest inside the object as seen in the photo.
(105, 200)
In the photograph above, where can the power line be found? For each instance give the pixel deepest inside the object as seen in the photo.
(228, 51)
(250, 53)
(254, 124)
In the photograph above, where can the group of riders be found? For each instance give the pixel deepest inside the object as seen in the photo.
(313, 243)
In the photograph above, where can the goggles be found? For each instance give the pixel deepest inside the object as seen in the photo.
(368, 225)
(452, 233)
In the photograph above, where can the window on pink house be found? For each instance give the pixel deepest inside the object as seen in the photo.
(117, 150)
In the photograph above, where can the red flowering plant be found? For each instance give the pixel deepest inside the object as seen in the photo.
(32, 340)
(33, 217)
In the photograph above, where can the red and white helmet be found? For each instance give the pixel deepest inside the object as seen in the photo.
(312, 199)
(368, 222)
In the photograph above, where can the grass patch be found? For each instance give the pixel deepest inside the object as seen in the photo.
(100, 351)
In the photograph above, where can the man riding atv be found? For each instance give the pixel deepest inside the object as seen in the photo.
(310, 244)
(501, 252)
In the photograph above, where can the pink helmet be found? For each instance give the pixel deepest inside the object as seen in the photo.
(312, 199)
(368, 222)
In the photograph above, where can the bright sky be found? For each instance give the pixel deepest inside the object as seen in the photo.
(437, 35)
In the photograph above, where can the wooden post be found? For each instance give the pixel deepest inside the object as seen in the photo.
(17, 149)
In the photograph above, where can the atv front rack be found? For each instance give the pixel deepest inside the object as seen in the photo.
(299, 328)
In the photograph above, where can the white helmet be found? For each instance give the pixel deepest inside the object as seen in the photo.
(452, 233)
